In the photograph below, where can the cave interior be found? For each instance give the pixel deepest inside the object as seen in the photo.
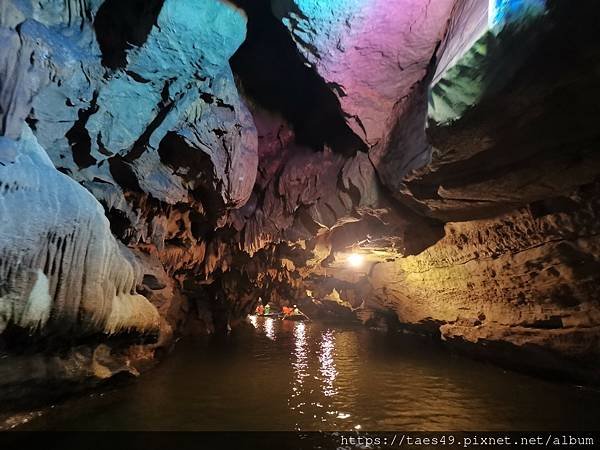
(413, 167)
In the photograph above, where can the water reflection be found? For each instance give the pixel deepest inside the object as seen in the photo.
(300, 368)
(348, 363)
(254, 321)
(270, 328)
(300, 364)
(312, 377)
(343, 379)
(328, 370)
(267, 324)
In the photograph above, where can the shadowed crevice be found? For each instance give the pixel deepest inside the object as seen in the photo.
(274, 74)
(123, 24)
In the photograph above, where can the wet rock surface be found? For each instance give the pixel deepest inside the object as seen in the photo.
(161, 171)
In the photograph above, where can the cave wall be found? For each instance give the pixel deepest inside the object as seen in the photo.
(370, 53)
(514, 174)
(100, 107)
(165, 163)
(496, 143)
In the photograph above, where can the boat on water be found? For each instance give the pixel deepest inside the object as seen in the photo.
(278, 315)
(296, 317)
(273, 314)
(292, 314)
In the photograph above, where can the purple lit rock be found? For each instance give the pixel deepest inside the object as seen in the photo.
(371, 52)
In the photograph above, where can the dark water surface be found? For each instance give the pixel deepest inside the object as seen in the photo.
(278, 375)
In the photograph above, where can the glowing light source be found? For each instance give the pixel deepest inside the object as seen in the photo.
(355, 260)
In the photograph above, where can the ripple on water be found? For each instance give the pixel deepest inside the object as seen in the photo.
(278, 375)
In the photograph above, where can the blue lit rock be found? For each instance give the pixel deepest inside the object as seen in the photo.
(61, 267)
(85, 116)
(483, 223)
(166, 65)
(104, 127)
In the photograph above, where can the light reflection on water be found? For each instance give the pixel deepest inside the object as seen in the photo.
(318, 396)
(300, 364)
(326, 358)
(282, 375)
(270, 328)
(268, 325)
(300, 368)
(305, 397)
(253, 320)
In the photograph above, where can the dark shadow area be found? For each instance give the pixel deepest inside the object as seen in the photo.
(175, 153)
(19, 349)
(123, 174)
(122, 24)
(79, 137)
(547, 106)
(273, 74)
(537, 113)
(16, 340)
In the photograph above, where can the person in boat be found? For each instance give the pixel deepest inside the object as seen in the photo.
(296, 314)
(260, 309)
(287, 311)
(267, 309)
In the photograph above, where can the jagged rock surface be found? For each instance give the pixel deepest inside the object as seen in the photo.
(516, 187)
(370, 54)
(479, 225)
(102, 111)
(61, 267)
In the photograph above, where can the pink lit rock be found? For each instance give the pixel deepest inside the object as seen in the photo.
(371, 52)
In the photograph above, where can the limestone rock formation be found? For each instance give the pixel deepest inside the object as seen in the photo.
(402, 163)
(527, 278)
(371, 54)
(61, 266)
(80, 109)
(501, 166)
